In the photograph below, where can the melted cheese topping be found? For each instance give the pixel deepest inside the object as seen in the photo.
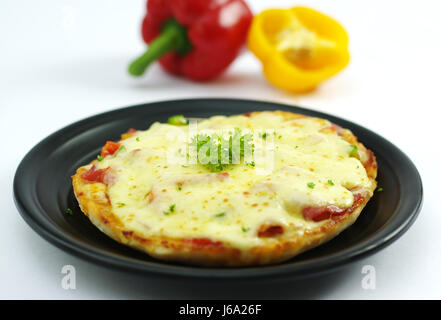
(311, 167)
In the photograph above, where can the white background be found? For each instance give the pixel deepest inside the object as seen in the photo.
(61, 61)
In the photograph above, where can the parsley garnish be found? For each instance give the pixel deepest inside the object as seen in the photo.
(137, 139)
(379, 189)
(245, 229)
(69, 211)
(223, 147)
(99, 158)
(120, 204)
(222, 214)
(330, 182)
(311, 185)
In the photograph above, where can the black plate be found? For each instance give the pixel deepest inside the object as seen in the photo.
(43, 191)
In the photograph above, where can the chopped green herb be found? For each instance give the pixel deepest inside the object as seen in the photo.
(280, 137)
(99, 158)
(122, 148)
(330, 182)
(69, 211)
(178, 120)
(222, 214)
(297, 147)
(311, 185)
(137, 139)
(179, 188)
(245, 229)
(379, 189)
(251, 164)
(264, 135)
(171, 210)
(120, 204)
(353, 151)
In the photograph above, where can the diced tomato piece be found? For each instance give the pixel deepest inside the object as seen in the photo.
(223, 175)
(358, 200)
(95, 175)
(339, 130)
(128, 134)
(266, 231)
(321, 213)
(110, 148)
(203, 242)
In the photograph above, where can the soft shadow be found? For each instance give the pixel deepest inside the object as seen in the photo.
(98, 282)
(308, 288)
(110, 72)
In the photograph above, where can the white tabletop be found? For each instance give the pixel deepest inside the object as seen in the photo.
(63, 60)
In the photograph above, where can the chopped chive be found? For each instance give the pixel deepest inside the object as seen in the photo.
(330, 182)
(179, 188)
(297, 147)
(251, 164)
(120, 204)
(379, 189)
(69, 211)
(122, 148)
(245, 229)
(222, 214)
(137, 139)
(311, 185)
(171, 210)
(99, 158)
(178, 120)
(264, 135)
(354, 151)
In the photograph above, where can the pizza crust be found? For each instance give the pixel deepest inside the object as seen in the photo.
(95, 204)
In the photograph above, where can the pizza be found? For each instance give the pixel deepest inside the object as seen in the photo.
(250, 189)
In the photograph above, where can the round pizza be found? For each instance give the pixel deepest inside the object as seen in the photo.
(250, 189)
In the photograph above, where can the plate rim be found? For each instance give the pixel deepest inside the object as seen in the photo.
(160, 268)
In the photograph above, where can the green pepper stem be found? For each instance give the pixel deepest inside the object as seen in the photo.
(172, 38)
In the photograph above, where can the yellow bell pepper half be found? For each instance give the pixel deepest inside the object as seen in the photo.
(299, 47)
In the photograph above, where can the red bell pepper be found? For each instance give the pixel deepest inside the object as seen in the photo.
(197, 39)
